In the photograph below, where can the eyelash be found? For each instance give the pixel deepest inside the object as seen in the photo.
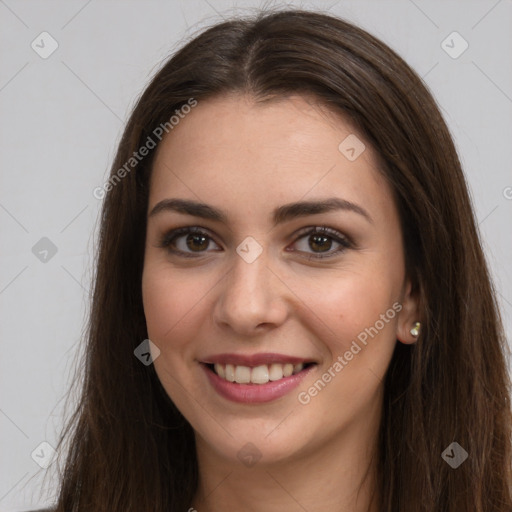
(345, 243)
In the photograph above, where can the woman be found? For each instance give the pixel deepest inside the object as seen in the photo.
(292, 310)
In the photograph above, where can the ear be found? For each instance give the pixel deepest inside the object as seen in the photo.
(409, 315)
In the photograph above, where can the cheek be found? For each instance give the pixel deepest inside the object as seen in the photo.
(367, 320)
(361, 314)
(347, 304)
(361, 311)
(172, 306)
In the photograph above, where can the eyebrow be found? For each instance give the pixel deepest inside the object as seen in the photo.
(281, 214)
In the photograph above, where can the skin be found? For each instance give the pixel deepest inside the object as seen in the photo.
(247, 159)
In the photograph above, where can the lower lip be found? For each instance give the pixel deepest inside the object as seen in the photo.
(255, 393)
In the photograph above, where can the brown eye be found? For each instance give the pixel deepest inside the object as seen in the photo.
(317, 242)
(187, 241)
(197, 242)
(320, 243)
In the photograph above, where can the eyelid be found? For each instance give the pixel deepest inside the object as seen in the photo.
(338, 237)
(323, 229)
(173, 234)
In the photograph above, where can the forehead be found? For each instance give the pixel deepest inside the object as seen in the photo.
(249, 157)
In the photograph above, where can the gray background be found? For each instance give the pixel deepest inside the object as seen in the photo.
(61, 120)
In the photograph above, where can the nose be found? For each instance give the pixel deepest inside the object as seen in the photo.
(251, 297)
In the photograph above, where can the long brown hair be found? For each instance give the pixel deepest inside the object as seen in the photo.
(127, 446)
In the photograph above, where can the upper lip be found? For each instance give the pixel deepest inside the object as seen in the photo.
(254, 359)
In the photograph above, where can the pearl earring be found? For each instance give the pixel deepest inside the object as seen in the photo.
(415, 331)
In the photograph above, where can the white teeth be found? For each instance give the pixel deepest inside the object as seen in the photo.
(287, 370)
(242, 374)
(276, 372)
(230, 373)
(219, 370)
(258, 374)
(298, 368)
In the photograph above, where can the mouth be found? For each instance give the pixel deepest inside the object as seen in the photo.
(256, 384)
(261, 374)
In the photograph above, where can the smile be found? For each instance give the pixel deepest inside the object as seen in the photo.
(258, 374)
(255, 379)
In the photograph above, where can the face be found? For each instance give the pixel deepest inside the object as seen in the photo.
(249, 287)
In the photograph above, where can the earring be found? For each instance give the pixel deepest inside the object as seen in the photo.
(415, 331)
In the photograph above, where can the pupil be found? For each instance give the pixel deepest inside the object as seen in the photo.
(323, 239)
(192, 239)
